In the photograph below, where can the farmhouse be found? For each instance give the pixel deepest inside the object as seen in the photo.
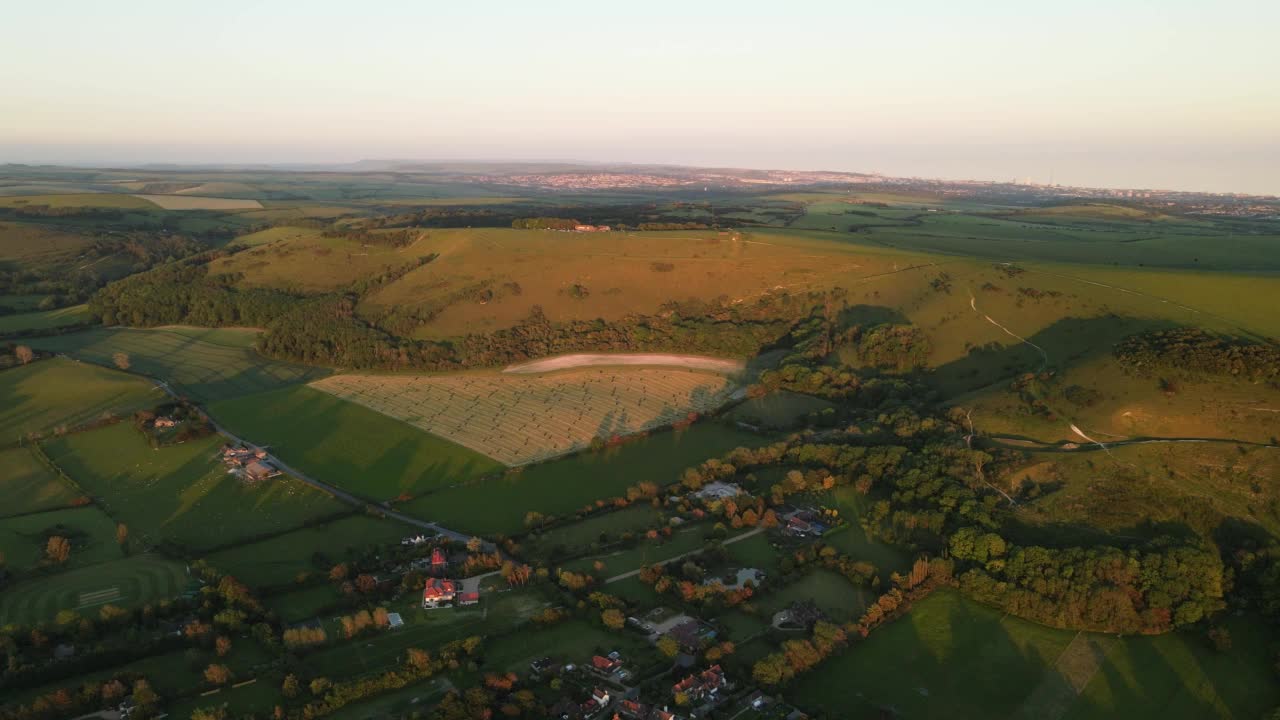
(606, 665)
(439, 561)
(598, 701)
(438, 593)
(260, 470)
(591, 228)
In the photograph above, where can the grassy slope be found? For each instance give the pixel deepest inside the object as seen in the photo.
(350, 446)
(183, 493)
(55, 392)
(953, 656)
(44, 320)
(27, 485)
(208, 364)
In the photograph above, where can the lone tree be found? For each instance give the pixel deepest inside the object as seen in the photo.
(122, 534)
(58, 549)
(121, 360)
(217, 674)
(24, 354)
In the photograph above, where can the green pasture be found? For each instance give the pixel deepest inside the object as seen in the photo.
(647, 552)
(950, 656)
(561, 487)
(208, 365)
(852, 540)
(755, 552)
(50, 393)
(279, 560)
(350, 446)
(572, 641)
(183, 493)
(579, 536)
(28, 485)
(841, 600)
(91, 532)
(127, 582)
(777, 409)
(303, 603)
(44, 320)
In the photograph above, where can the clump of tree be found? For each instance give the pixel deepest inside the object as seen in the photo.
(1192, 351)
(545, 223)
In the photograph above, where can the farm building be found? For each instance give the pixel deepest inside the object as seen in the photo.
(260, 470)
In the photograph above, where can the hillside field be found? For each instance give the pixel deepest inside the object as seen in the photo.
(519, 419)
(27, 485)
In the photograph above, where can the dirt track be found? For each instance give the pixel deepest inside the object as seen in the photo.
(564, 362)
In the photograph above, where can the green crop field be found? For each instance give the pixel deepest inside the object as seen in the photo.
(28, 485)
(44, 320)
(279, 560)
(208, 365)
(350, 446)
(563, 486)
(953, 656)
(91, 532)
(51, 393)
(183, 493)
(128, 582)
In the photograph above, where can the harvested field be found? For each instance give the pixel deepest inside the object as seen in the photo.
(579, 360)
(189, 202)
(519, 419)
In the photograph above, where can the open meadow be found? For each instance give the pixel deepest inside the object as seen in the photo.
(47, 394)
(520, 419)
(183, 493)
(207, 364)
(1013, 668)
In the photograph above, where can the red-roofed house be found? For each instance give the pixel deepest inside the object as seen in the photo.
(438, 593)
(439, 561)
(605, 665)
(468, 598)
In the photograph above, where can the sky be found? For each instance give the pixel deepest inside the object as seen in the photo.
(1121, 93)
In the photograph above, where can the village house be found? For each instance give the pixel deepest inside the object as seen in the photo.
(718, 491)
(439, 561)
(415, 540)
(163, 422)
(704, 687)
(259, 470)
(691, 634)
(632, 710)
(591, 228)
(598, 701)
(606, 666)
(438, 593)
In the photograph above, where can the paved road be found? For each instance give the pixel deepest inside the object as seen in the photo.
(730, 541)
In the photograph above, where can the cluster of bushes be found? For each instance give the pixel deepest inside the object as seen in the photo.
(545, 223)
(186, 293)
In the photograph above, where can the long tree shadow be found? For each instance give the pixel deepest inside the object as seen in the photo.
(1069, 341)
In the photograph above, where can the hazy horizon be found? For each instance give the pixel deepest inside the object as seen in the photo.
(1121, 94)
